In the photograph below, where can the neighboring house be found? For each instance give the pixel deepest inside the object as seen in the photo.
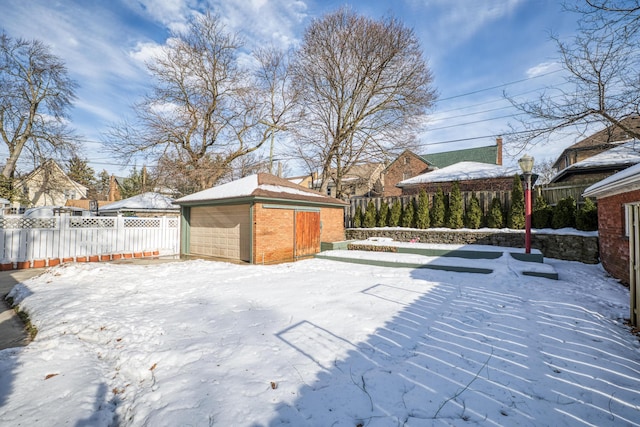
(471, 176)
(305, 181)
(361, 180)
(142, 205)
(603, 140)
(261, 219)
(48, 185)
(613, 194)
(5, 206)
(405, 166)
(409, 165)
(574, 179)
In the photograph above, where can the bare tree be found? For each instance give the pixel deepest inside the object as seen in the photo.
(35, 96)
(364, 87)
(602, 82)
(205, 110)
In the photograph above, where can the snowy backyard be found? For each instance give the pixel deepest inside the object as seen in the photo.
(322, 343)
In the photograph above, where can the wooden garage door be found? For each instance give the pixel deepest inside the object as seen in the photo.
(220, 231)
(307, 233)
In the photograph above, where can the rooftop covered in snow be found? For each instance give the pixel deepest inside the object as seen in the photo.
(258, 186)
(145, 202)
(462, 171)
(621, 157)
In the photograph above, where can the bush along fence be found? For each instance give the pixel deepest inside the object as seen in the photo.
(492, 209)
(43, 242)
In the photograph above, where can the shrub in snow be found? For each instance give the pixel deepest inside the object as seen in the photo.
(370, 213)
(515, 218)
(408, 214)
(473, 214)
(438, 209)
(564, 213)
(422, 215)
(541, 214)
(357, 217)
(456, 210)
(587, 216)
(383, 215)
(495, 218)
(394, 215)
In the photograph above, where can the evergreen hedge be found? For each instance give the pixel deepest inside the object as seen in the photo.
(383, 215)
(564, 214)
(515, 219)
(587, 216)
(541, 214)
(473, 214)
(394, 214)
(456, 210)
(495, 217)
(438, 211)
(422, 214)
(370, 213)
(408, 215)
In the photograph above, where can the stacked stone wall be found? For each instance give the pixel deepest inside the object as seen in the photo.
(570, 247)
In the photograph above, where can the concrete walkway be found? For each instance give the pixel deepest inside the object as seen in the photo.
(12, 332)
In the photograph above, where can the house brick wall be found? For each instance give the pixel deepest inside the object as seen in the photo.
(273, 236)
(614, 245)
(491, 184)
(404, 167)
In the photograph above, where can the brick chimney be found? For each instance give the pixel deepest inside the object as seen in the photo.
(499, 150)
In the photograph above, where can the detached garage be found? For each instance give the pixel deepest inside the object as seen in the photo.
(261, 219)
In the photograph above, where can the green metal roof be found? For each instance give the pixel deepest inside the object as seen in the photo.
(488, 154)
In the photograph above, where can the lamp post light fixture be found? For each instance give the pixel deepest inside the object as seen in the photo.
(526, 164)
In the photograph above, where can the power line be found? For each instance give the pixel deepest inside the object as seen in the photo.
(499, 86)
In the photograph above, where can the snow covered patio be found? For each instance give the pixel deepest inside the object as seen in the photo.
(321, 343)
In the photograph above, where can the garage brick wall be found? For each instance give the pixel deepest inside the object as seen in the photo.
(273, 235)
(274, 232)
(614, 245)
(332, 220)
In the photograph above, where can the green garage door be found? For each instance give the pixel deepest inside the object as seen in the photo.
(220, 231)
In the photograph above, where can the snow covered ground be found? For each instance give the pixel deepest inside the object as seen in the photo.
(321, 343)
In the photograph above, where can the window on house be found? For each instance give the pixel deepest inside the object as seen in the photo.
(406, 160)
(405, 175)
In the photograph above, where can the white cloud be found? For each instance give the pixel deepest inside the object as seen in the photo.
(542, 68)
(459, 20)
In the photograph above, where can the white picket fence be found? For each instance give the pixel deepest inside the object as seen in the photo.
(67, 238)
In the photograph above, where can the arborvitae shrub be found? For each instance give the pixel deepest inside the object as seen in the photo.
(394, 215)
(370, 215)
(516, 210)
(408, 214)
(587, 216)
(495, 217)
(541, 214)
(357, 217)
(383, 215)
(438, 210)
(473, 215)
(422, 215)
(564, 213)
(456, 210)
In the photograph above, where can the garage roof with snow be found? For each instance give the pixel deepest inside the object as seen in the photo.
(258, 186)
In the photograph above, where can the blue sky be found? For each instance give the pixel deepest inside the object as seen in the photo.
(475, 48)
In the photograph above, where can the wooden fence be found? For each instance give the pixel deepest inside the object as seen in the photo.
(78, 238)
(553, 193)
(485, 198)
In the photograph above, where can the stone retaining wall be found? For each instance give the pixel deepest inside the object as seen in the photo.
(568, 247)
